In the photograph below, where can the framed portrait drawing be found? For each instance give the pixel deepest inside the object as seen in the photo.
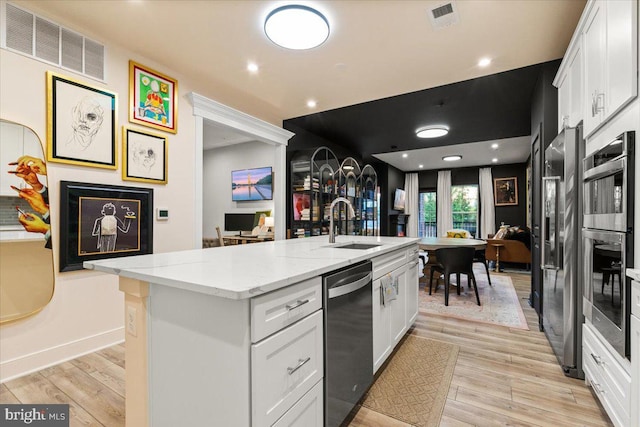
(153, 98)
(103, 221)
(505, 191)
(144, 156)
(81, 123)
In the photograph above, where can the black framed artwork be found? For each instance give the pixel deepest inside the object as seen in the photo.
(103, 221)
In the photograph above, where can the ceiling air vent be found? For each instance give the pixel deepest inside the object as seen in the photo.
(444, 15)
(47, 41)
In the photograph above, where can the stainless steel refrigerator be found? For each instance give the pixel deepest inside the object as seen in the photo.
(562, 316)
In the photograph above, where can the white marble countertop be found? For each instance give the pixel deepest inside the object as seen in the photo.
(634, 273)
(244, 271)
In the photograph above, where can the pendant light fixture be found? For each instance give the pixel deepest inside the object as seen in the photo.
(296, 27)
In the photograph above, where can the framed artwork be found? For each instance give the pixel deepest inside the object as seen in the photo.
(252, 184)
(153, 98)
(81, 123)
(505, 191)
(144, 156)
(103, 221)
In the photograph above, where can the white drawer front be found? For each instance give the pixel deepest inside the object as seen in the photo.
(386, 263)
(284, 367)
(273, 311)
(635, 298)
(307, 412)
(614, 383)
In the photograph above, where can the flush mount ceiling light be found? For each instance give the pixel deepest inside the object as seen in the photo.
(296, 27)
(453, 158)
(432, 132)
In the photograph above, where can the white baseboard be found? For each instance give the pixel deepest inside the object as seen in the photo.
(27, 364)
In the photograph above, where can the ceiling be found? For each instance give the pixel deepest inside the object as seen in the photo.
(376, 50)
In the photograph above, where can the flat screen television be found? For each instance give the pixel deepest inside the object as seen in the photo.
(398, 200)
(252, 184)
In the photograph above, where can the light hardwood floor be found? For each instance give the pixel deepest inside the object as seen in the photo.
(503, 376)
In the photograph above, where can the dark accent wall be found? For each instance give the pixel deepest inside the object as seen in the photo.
(512, 215)
(544, 127)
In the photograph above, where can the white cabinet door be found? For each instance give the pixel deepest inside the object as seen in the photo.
(399, 306)
(593, 37)
(635, 371)
(412, 292)
(575, 75)
(307, 412)
(622, 64)
(381, 328)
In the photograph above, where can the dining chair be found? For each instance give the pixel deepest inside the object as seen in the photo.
(456, 260)
(479, 257)
(220, 238)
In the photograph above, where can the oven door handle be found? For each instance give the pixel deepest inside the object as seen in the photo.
(605, 169)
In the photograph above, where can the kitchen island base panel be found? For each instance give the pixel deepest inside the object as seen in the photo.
(199, 359)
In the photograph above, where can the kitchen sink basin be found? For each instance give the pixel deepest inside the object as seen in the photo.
(356, 246)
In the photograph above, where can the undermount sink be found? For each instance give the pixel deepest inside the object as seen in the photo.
(356, 246)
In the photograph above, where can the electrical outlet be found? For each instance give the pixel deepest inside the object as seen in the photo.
(132, 327)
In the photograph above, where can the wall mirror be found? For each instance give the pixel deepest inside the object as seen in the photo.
(26, 258)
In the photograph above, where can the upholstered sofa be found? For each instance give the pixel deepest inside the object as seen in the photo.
(511, 251)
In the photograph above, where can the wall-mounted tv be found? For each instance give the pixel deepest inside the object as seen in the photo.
(252, 184)
(398, 200)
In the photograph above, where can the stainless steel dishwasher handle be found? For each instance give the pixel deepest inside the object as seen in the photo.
(349, 287)
(301, 363)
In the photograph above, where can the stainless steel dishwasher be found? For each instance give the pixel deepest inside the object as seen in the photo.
(348, 343)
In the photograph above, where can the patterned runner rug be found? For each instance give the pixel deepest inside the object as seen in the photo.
(499, 303)
(414, 384)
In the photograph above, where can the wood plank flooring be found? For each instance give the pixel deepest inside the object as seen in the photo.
(503, 376)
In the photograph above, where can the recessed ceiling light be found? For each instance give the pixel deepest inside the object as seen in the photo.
(452, 158)
(494, 160)
(296, 27)
(405, 155)
(252, 67)
(432, 131)
(494, 146)
(484, 62)
(312, 103)
(420, 166)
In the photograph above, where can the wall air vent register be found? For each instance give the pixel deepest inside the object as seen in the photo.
(38, 38)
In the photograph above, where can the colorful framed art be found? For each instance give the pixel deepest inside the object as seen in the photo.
(81, 123)
(144, 156)
(153, 98)
(103, 221)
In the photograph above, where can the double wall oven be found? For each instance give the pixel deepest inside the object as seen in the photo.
(607, 234)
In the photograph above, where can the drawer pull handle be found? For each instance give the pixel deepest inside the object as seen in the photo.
(301, 363)
(597, 359)
(297, 304)
(598, 388)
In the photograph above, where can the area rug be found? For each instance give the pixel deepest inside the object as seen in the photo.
(414, 384)
(499, 303)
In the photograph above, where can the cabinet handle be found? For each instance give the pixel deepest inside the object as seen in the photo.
(598, 388)
(593, 104)
(297, 304)
(597, 359)
(599, 108)
(301, 363)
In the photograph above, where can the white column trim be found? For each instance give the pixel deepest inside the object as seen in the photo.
(205, 108)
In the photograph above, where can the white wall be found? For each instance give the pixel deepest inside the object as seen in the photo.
(217, 166)
(86, 311)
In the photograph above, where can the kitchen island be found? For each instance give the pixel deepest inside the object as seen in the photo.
(233, 336)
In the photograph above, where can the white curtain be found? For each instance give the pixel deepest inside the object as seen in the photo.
(411, 203)
(487, 207)
(443, 198)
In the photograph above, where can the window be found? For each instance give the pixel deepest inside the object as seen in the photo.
(465, 207)
(427, 222)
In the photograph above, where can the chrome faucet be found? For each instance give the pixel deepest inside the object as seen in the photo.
(332, 236)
